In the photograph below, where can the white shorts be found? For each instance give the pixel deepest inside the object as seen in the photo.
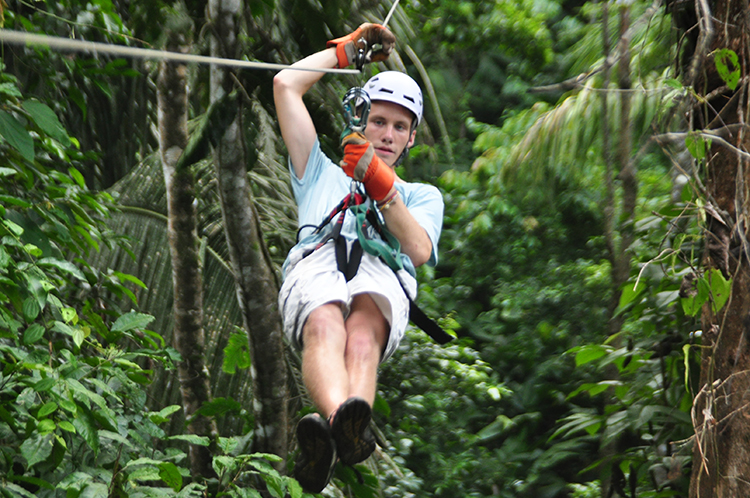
(315, 281)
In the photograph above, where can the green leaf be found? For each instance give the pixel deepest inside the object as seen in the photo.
(630, 292)
(17, 136)
(589, 353)
(77, 176)
(45, 426)
(164, 415)
(62, 265)
(45, 385)
(696, 145)
(721, 289)
(275, 484)
(130, 321)
(14, 228)
(295, 490)
(66, 426)
(192, 439)
(691, 305)
(37, 448)
(30, 309)
(236, 353)
(46, 409)
(218, 407)
(33, 333)
(728, 66)
(47, 120)
(76, 333)
(10, 89)
(86, 427)
(170, 474)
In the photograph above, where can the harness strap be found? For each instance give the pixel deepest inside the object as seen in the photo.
(348, 261)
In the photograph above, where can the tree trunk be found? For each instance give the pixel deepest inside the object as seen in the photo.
(187, 281)
(721, 409)
(257, 288)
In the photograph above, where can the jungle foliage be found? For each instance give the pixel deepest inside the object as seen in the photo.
(534, 398)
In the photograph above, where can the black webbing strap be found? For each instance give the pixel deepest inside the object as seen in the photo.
(427, 324)
(348, 264)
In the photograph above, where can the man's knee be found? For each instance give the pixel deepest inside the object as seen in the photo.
(324, 324)
(367, 328)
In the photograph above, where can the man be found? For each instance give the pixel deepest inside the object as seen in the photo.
(345, 328)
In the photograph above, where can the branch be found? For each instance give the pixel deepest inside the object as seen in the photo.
(716, 136)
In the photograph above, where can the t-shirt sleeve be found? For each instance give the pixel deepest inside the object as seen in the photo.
(426, 205)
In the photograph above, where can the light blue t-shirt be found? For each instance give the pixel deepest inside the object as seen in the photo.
(325, 184)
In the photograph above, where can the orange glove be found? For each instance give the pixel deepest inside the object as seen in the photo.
(364, 37)
(361, 163)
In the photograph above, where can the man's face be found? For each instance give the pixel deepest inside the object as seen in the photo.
(389, 130)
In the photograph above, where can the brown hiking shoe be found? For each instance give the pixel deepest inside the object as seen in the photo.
(317, 459)
(351, 431)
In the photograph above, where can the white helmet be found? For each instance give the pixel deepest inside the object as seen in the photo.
(396, 87)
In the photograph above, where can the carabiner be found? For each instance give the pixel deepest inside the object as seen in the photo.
(356, 98)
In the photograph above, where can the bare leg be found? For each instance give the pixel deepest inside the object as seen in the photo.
(367, 335)
(323, 368)
(340, 360)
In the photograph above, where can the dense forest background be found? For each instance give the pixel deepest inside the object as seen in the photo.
(592, 157)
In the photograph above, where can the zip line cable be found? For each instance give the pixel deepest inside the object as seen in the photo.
(73, 45)
(390, 13)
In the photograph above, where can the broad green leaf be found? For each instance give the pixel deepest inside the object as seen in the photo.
(66, 426)
(69, 315)
(45, 385)
(295, 490)
(129, 278)
(14, 228)
(589, 353)
(94, 490)
(275, 484)
(254, 493)
(104, 434)
(10, 200)
(86, 427)
(45, 426)
(630, 292)
(192, 439)
(33, 333)
(17, 136)
(721, 289)
(30, 309)
(236, 353)
(46, 409)
(130, 321)
(728, 66)
(696, 145)
(7, 172)
(164, 414)
(36, 448)
(63, 265)
(218, 406)
(47, 120)
(16, 490)
(170, 474)
(10, 89)
(77, 176)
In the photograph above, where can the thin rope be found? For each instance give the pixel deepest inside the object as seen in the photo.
(72, 45)
(390, 13)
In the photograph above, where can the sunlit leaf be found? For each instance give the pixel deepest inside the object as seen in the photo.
(16, 135)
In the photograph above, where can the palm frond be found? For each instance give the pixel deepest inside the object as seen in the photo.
(565, 141)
